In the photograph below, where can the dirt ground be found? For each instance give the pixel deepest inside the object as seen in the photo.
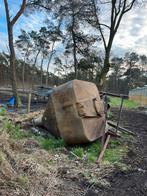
(134, 181)
(44, 174)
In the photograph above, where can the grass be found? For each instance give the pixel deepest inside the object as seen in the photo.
(116, 150)
(129, 104)
(93, 151)
(78, 151)
(3, 111)
(16, 133)
(49, 143)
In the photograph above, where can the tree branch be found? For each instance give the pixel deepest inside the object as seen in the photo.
(7, 11)
(99, 26)
(13, 21)
(129, 7)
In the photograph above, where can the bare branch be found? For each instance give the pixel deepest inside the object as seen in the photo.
(129, 7)
(104, 2)
(19, 12)
(101, 24)
(98, 24)
(119, 7)
(39, 5)
(7, 11)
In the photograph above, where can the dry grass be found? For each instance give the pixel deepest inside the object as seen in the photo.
(28, 170)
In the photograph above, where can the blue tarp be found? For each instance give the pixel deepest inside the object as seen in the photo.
(11, 101)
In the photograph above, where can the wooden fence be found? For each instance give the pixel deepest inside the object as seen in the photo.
(139, 95)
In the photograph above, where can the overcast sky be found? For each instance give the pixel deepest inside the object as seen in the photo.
(131, 36)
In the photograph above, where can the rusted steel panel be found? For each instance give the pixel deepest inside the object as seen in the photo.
(75, 112)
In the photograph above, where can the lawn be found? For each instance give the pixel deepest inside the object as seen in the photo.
(129, 104)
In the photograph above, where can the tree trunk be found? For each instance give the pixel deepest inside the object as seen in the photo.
(106, 66)
(23, 77)
(36, 58)
(50, 58)
(23, 68)
(74, 55)
(102, 78)
(34, 64)
(47, 72)
(13, 67)
(10, 24)
(41, 69)
(74, 45)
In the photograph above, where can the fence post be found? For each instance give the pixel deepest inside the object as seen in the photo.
(29, 102)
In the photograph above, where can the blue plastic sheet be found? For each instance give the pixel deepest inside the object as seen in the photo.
(11, 101)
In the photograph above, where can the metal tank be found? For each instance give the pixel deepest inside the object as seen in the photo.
(75, 112)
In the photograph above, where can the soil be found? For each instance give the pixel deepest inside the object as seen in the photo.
(54, 175)
(115, 181)
(134, 181)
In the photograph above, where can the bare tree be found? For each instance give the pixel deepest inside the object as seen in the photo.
(118, 9)
(10, 25)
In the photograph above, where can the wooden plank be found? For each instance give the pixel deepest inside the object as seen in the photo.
(112, 124)
(103, 150)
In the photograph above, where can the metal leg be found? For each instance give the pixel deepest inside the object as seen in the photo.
(120, 110)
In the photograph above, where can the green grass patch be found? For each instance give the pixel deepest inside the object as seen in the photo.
(15, 132)
(78, 151)
(3, 111)
(115, 153)
(89, 152)
(129, 104)
(117, 149)
(49, 143)
(93, 150)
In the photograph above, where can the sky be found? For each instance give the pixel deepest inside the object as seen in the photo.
(33, 22)
(131, 36)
